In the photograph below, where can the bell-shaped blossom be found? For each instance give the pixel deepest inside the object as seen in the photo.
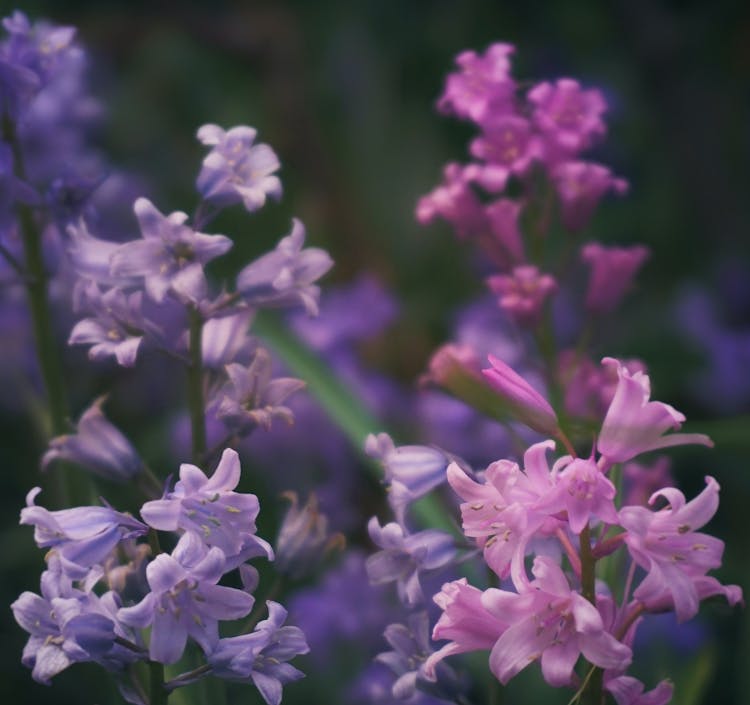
(641, 481)
(67, 629)
(502, 217)
(465, 621)
(522, 293)
(98, 446)
(403, 556)
(115, 328)
(285, 277)
(580, 186)
(634, 424)
(507, 145)
(581, 490)
(304, 538)
(185, 599)
(91, 256)
(570, 118)
(236, 170)
(82, 536)
(252, 398)
(211, 509)
(550, 621)
(225, 340)
(408, 660)
(170, 257)
(262, 656)
(612, 272)
(500, 513)
(627, 690)
(676, 557)
(524, 403)
(482, 87)
(419, 468)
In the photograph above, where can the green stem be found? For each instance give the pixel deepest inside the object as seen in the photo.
(593, 691)
(195, 386)
(158, 694)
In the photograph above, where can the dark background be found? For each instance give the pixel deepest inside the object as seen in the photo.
(344, 91)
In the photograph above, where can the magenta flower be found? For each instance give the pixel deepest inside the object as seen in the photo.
(523, 292)
(635, 425)
(185, 599)
(503, 217)
(571, 118)
(171, 255)
(236, 170)
(482, 87)
(552, 622)
(666, 544)
(526, 404)
(211, 509)
(627, 690)
(612, 272)
(580, 186)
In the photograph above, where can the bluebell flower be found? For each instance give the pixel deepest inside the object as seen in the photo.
(211, 509)
(185, 599)
(236, 170)
(262, 655)
(81, 536)
(285, 276)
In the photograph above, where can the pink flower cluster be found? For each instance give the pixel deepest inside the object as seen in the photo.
(570, 516)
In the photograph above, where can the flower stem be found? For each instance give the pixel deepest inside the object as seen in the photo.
(593, 691)
(158, 694)
(195, 386)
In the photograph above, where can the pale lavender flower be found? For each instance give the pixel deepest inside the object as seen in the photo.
(634, 424)
(676, 557)
(403, 556)
(550, 621)
(627, 690)
(612, 272)
(98, 446)
(225, 340)
(304, 538)
(170, 256)
(91, 256)
(261, 656)
(81, 536)
(285, 277)
(236, 170)
(252, 397)
(116, 326)
(212, 510)
(185, 599)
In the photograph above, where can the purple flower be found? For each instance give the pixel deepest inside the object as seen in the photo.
(404, 555)
(236, 170)
(116, 327)
(171, 255)
(226, 339)
(550, 621)
(211, 509)
(185, 599)
(677, 557)
(612, 272)
(262, 656)
(252, 398)
(635, 425)
(627, 690)
(285, 277)
(98, 446)
(82, 536)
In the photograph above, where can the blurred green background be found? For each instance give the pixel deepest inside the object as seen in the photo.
(344, 91)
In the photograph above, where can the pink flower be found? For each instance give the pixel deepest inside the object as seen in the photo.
(502, 216)
(568, 116)
(677, 557)
(580, 186)
(526, 404)
(523, 293)
(465, 621)
(635, 425)
(508, 143)
(483, 85)
(612, 273)
(550, 621)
